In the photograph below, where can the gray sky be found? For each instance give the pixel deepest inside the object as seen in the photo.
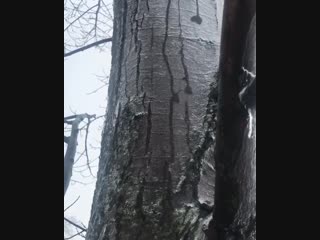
(80, 72)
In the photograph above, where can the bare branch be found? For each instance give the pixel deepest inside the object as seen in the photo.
(77, 234)
(95, 118)
(80, 17)
(76, 225)
(81, 154)
(96, 90)
(68, 122)
(84, 165)
(88, 46)
(96, 19)
(71, 117)
(84, 115)
(72, 204)
(107, 9)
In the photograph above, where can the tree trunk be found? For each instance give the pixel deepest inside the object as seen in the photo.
(235, 153)
(156, 173)
(72, 142)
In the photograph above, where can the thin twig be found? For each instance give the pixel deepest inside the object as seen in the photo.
(80, 17)
(78, 233)
(95, 118)
(72, 204)
(96, 90)
(84, 165)
(81, 154)
(82, 183)
(96, 19)
(71, 110)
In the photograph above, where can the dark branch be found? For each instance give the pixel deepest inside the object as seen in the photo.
(74, 224)
(88, 46)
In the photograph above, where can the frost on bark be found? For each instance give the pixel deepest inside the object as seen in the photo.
(235, 154)
(156, 171)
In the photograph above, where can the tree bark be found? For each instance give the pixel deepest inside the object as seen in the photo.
(156, 173)
(235, 153)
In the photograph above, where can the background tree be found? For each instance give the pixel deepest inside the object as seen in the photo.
(235, 153)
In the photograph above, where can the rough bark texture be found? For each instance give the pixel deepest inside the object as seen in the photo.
(156, 173)
(235, 154)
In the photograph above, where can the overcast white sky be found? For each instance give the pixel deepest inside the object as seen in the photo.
(80, 72)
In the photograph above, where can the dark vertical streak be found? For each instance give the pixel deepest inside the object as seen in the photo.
(174, 97)
(164, 48)
(143, 100)
(216, 13)
(134, 29)
(188, 89)
(149, 128)
(197, 2)
(167, 205)
(152, 40)
(138, 68)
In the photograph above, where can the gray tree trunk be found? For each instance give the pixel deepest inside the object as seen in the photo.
(72, 142)
(235, 153)
(156, 173)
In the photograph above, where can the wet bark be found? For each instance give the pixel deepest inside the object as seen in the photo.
(235, 154)
(156, 171)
